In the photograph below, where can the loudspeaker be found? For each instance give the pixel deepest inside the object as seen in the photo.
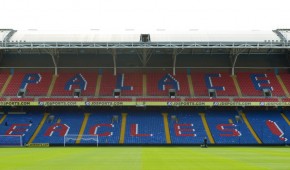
(145, 38)
(267, 92)
(212, 93)
(117, 93)
(172, 93)
(77, 93)
(21, 93)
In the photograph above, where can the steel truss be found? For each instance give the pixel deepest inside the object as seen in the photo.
(140, 45)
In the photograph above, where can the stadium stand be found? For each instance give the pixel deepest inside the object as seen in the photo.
(286, 80)
(130, 84)
(158, 84)
(207, 99)
(186, 128)
(227, 130)
(66, 83)
(54, 130)
(145, 71)
(107, 125)
(253, 99)
(252, 84)
(222, 82)
(145, 128)
(21, 124)
(285, 99)
(22, 99)
(269, 126)
(151, 99)
(59, 99)
(3, 78)
(109, 99)
(36, 84)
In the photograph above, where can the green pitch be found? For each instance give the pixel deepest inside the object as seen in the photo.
(141, 158)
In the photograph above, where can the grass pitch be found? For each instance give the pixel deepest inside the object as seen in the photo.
(143, 158)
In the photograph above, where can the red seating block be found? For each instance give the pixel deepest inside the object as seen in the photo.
(200, 88)
(286, 80)
(59, 99)
(207, 100)
(158, 99)
(153, 79)
(286, 100)
(22, 99)
(59, 87)
(109, 82)
(2, 99)
(109, 99)
(3, 79)
(256, 100)
(248, 89)
(39, 89)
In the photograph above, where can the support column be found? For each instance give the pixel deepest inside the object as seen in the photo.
(54, 53)
(144, 56)
(174, 55)
(114, 53)
(1, 55)
(234, 57)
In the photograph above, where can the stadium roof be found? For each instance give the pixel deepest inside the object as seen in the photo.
(12, 39)
(134, 36)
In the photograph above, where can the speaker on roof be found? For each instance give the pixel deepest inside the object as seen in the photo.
(21, 93)
(145, 38)
(117, 93)
(267, 92)
(212, 93)
(77, 93)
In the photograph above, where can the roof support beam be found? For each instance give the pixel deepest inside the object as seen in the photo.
(269, 51)
(1, 56)
(145, 56)
(114, 53)
(54, 53)
(174, 55)
(279, 33)
(234, 57)
(249, 51)
(287, 55)
(192, 51)
(9, 35)
(140, 45)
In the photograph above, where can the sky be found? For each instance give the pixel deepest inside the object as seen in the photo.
(144, 15)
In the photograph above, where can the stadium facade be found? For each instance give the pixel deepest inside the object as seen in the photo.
(76, 86)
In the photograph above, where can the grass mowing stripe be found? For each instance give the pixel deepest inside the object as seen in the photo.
(143, 158)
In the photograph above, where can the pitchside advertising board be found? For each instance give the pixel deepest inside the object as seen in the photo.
(120, 103)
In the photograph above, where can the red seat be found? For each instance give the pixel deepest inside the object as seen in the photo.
(207, 99)
(256, 100)
(248, 88)
(109, 99)
(59, 87)
(225, 80)
(39, 89)
(109, 82)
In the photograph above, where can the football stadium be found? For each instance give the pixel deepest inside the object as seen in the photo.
(145, 101)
